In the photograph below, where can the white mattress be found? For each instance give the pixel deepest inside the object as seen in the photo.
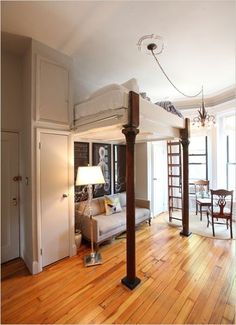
(103, 117)
(110, 100)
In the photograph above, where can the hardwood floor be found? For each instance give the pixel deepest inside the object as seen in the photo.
(184, 280)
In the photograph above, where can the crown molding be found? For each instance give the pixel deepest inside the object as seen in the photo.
(218, 98)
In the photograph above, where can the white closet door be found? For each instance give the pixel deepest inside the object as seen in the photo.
(54, 200)
(9, 197)
(52, 92)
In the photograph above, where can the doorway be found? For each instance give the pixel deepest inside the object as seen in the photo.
(54, 192)
(10, 221)
(159, 177)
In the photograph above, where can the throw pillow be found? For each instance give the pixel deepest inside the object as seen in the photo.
(112, 204)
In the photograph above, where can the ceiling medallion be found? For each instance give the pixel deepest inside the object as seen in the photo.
(151, 42)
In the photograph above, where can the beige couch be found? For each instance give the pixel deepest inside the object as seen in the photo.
(106, 227)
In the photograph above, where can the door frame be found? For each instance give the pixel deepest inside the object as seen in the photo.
(19, 189)
(152, 177)
(72, 246)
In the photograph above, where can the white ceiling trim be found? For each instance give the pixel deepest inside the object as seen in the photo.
(210, 101)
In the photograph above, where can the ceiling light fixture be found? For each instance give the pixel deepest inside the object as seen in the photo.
(203, 119)
(154, 45)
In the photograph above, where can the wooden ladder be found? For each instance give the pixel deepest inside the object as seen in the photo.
(174, 178)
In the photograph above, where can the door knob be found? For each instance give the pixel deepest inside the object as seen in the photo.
(64, 195)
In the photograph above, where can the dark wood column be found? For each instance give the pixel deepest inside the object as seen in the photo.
(130, 131)
(184, 139)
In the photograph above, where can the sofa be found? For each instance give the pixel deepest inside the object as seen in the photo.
(106, 227)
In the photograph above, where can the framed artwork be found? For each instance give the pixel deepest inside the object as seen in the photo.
(102, 158)
(119, 168)
(81, 158)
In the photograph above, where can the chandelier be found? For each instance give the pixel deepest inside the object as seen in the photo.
(203, 119)
(154, 45)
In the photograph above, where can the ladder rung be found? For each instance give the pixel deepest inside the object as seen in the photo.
(173, 165)
(173, 143)
(174, 154)
(197, 154)
(176, 208)
(174, 175)
(175, 186)
(175, 197)
(197, 163)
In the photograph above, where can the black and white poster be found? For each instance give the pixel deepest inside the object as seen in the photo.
(81, 158)
(102, 158)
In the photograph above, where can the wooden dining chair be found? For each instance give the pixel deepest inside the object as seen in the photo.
(202, 196)
(221, 208)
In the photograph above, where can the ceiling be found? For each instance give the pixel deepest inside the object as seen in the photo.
(101, 36)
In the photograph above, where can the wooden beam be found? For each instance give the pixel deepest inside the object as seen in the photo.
(184, 139)
(130, 131)
(133, 112)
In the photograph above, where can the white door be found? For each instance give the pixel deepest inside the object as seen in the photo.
(159, 177)
(9, 196)
(54, 201)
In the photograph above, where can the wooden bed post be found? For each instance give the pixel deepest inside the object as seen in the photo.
(130, 131)
(184, 139)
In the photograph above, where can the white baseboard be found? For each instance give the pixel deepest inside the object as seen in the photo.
(35, 267)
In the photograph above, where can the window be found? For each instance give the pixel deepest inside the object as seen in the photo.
(229, 127)
(198, 160)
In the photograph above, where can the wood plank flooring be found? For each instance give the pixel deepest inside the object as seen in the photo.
(184, 280)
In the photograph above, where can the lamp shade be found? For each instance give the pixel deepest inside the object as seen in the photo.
(89, 175)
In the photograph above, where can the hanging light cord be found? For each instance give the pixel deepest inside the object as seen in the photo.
(163, 71)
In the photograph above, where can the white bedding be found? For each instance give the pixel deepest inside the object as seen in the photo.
(108, 101)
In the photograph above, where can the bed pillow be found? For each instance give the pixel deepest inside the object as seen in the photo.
(131, 85)
(112, 204)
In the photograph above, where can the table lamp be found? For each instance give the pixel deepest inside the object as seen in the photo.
(90, 176)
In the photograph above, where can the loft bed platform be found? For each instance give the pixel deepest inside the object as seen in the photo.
(104, 117)
(126, 114)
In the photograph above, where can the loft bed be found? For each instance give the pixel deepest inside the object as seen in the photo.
(123, 115)
(103, 118)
